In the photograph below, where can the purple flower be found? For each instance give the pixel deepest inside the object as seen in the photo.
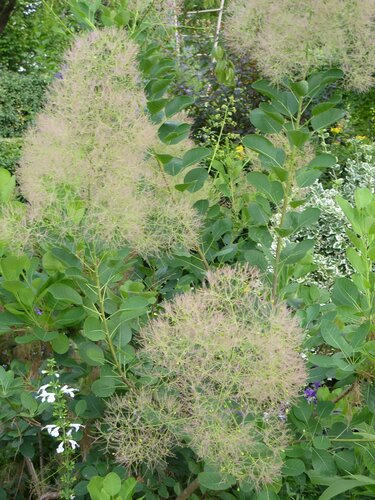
(59, 75)
(317, 385)
(38, 311)
(310, 395)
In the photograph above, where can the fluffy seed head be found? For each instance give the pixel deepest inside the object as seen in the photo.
(292, 38)
(139, 428)
(86, 169)
(232, 358)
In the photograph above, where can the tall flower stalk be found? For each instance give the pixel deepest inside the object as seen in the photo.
(63, 429)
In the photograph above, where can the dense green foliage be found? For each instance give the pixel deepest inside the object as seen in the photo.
(223, 347)
(21, 97)
(10, 152)
(36, 35)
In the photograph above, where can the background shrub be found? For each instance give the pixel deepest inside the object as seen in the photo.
(10, 152)
(21, 97)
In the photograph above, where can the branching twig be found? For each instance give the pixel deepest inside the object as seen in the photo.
(50, 496)
(189, 490)
(34, 476)
(203, 257)
(343, 394)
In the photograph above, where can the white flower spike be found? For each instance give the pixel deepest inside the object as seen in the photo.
(50, 397)
(53, 430)
(68, 390)
(73, 444)
(75, 428)
(60, 448)
(43, 388)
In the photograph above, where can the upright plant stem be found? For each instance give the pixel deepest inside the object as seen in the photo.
(203, 257)
(279, 245)
(219, 138)
(107, 332)
(287, 195)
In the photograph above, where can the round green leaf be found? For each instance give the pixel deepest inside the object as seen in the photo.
(104, 387)
(92, 329)
(215, 481)
(323, 120)
(7, 185)
(266, 122)
(91, 354)
(293, 467)
(321, 442)
(346, 461)
(345, 293)
(178, 104)
(60, 344)
(80, 407)
(173, 132)
(194, 156)
(112, 483)
(65, 293)
(195, 179)
(28, 402)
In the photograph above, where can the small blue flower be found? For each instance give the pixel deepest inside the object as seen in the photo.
(59, 75)
(38, 311)
(310, 395)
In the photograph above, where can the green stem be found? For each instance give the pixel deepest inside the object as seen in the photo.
(280, 242)
(287, 195)
(219, 138)
(107, 332)
(203, 257)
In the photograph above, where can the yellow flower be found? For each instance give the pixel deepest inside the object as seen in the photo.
(240, 150)
(361, 137)
(336, 130)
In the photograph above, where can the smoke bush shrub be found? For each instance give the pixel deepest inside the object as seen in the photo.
(86, 169)
(227, 362)
(212, 376)
(292, 38)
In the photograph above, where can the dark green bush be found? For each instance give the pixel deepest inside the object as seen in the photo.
(362, 113)
(10, 152)
(21, 97)
(36, 36)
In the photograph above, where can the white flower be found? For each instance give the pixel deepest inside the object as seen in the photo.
(73, 444)
(74, 427)
(68, 390)
(44, 372)
(50, 397)
(53, 430)
(60, 448)
(43, 388)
